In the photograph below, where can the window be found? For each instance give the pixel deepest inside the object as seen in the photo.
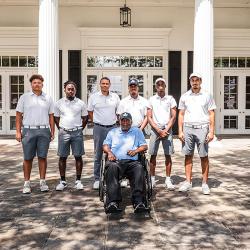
(232, 62)
(19, 61)
(230, 122)
(125, 61)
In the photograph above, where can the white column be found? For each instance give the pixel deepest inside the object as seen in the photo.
(48, 51)
(204, 42)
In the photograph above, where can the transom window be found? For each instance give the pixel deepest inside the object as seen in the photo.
(125, 61)
(19, 61)
(232, 62)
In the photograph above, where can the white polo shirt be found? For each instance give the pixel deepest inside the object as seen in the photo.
(136, 107)
(70, 112)
(196, 107)
(35, 109)
(161, 108)
(104, 107)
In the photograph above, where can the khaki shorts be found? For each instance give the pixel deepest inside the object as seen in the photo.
(195, 136)
(154, 142)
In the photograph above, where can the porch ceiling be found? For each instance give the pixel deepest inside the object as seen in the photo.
(138, 3)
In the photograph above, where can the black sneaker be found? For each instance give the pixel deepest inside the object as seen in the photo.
(112, 208)
(140, 208)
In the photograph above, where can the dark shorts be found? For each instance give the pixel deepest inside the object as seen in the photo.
(73, 139)
(154, 142)
(35, 142)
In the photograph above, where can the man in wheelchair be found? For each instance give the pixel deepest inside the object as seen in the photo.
(122, 146)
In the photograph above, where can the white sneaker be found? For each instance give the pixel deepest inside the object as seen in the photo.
(61, 186)
(43, 186)
(26, 188)
(124, 183)
(169, 184)
(153, 181)
(96, 185)
(78, 185)
(186, 186)
(205, 188)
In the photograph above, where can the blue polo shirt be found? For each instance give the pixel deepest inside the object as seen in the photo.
(121, 142)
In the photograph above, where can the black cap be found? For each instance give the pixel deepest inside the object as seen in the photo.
(126, 115)
(133, 82)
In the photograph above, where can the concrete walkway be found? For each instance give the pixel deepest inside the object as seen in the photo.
(76, 220)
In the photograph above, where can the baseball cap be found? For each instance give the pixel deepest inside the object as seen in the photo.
(195, 74)
(126, 115)
(160, 80)
(133, 82)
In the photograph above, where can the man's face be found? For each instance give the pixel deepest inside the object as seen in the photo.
(195, 83)
(105, 85)
(70, 90)
(37, 85)
(133, 90)
(125, 124)
(160, 87)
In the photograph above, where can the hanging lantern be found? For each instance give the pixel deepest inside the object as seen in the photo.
(125, 16)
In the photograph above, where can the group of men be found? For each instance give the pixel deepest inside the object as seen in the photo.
(119, 129)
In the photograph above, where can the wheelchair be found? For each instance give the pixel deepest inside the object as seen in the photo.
(147, 181)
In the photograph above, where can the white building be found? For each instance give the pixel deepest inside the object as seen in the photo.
(160, 42)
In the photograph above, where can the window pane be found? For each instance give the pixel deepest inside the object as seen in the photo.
(12, 123)
(225, 62)
(247, 122)
(125, 61)
(99, 61)
(22, 61)
(150, 61)
(13, 100)
(230, 122)
(248, 92)
(1, 123)
(108, 61)
(5, 61)
(116, 61)
(241, 62)
(133, 61)
(233, 62)
(0, 61)
(14, 61)
(141, 61)
(217, 62)
(158, 61)
(248, 62)
(31, 61)
(230, 92)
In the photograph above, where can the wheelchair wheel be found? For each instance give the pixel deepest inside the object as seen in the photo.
(102, 183)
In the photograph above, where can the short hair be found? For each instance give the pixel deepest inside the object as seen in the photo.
(105, 78)
(36, 76)
(70, 82)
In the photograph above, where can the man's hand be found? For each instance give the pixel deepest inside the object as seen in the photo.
(162, 133)
(210, 137)
(132, 153)
(111, 156)
(18, 136)
(52, 137)
(181, 136)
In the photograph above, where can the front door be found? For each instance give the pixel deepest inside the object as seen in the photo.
(235, 103)
(12, 86)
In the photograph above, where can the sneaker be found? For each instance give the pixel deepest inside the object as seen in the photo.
(43, 186)
(26, 188)
(169, 184)
(124, 183)
(112, 208)
(205, 188)
(78, 185)
(140, 208)
(186, 186)
(61, 186)
(96, 185)
(153, 181)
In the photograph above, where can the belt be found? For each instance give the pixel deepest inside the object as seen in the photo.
(71, 129)
(36, 127)
(105, 126)
(196, 126)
